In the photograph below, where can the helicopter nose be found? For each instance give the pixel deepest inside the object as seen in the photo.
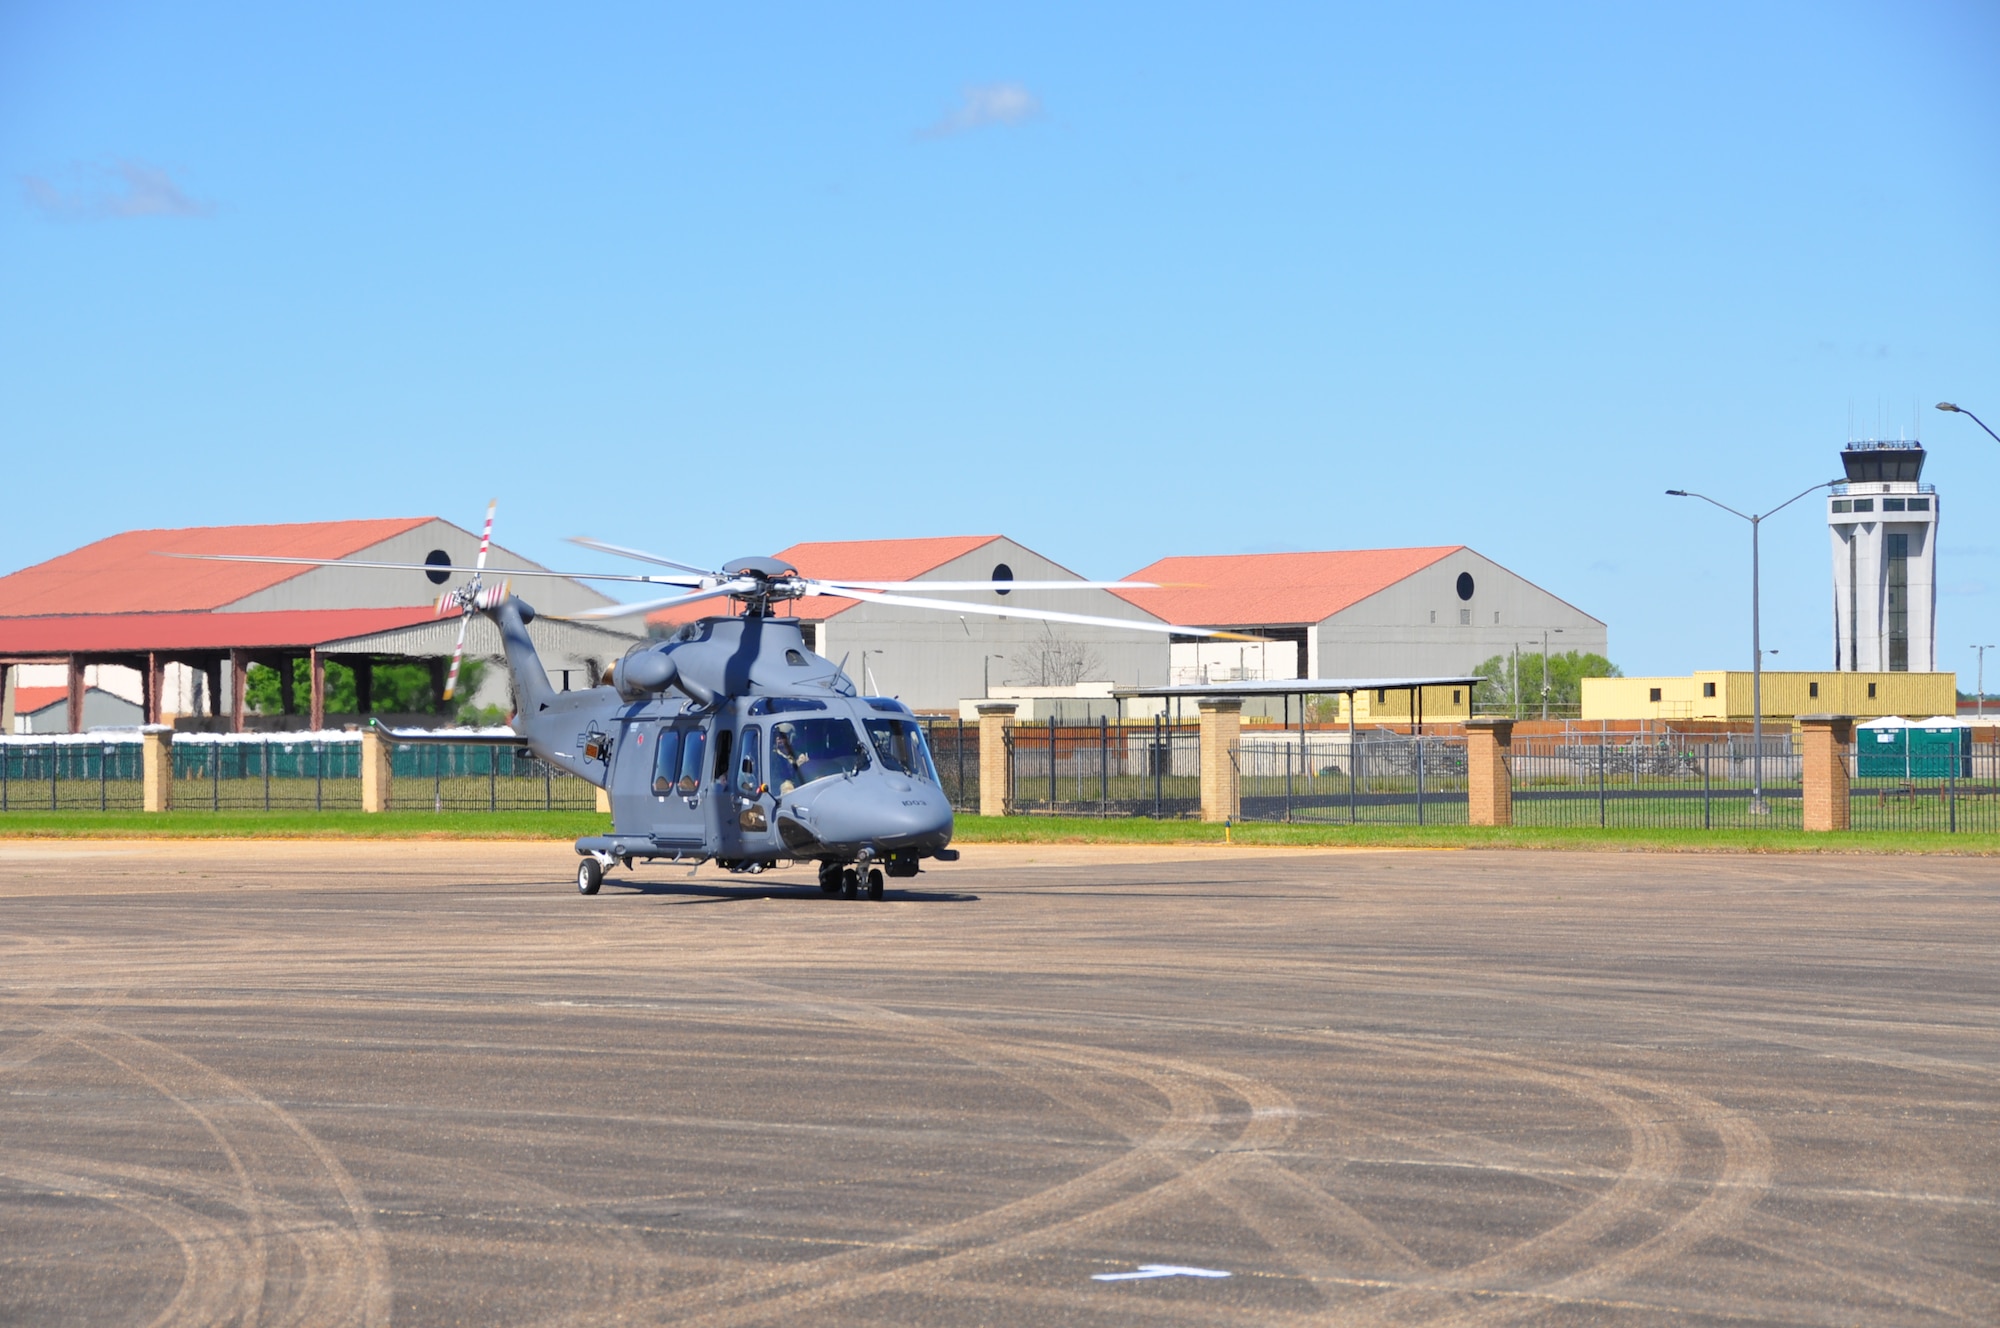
(874, 812)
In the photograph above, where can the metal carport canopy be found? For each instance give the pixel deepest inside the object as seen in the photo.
(1295, 687)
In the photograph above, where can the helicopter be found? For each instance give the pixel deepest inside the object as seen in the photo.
(731, 741)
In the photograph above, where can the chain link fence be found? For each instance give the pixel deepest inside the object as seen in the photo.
(1372, 778)
(281, 772)
(1104, 769)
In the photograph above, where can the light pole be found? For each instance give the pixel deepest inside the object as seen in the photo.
(1757, 807)
(1980, 705)
(1545, 670)
(1960, 410)
(986, 675)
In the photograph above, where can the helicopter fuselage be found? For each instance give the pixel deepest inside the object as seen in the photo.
(733, 741)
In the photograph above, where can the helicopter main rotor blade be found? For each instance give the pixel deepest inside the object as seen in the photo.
(1002, 586)
(637, 555)
(1009, 611)
(738, 587)
(427, 567)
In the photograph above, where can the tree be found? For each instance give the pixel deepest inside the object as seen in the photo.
(1056, 661)
(1496, 695)
(397, 689)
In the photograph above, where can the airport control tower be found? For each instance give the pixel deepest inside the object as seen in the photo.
(1883, 523)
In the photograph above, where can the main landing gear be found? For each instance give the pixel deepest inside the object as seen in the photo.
(589, 875)
(848, 882)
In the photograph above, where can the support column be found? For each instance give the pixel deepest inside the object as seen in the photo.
(1489, 786)
(76, 691)
(376, 772)
(1221, 733)
(995, 718)
(1824, 770)
(239, 680)
(156, 762)
(316, 673)
(6, 698)
(156, 685)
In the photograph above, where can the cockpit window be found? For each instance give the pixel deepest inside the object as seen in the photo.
(780, 705)
(795, 659)
(804, 750)
(900, 745)
(888, 703)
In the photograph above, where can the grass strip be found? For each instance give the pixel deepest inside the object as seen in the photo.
(566, 825)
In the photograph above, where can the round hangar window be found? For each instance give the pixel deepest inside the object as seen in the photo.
(439, 563)
(1002, 572)
(1465, 585)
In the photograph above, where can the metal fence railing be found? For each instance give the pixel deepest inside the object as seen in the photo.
(1965, 798)
(279, 772)
(955, 752)
(1377, 777)
(1666, 782)
(1104, 769)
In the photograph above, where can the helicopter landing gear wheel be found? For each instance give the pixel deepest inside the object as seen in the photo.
(829, 878)
(850, 883)
(874, 882)
(589, 875)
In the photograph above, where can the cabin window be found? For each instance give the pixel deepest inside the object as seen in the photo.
(747, 782)
(804, 750)
(899, 743)
(779, 705)
(666, 760)
(694, 745)
(722, 737)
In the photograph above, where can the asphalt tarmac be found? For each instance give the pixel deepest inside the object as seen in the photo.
(430, 1084)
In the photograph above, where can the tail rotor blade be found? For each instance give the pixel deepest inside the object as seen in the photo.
(457, 655)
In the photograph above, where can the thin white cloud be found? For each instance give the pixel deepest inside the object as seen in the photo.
(987, 104)
(99, 193)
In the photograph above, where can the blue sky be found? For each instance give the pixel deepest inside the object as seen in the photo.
(1119, 281)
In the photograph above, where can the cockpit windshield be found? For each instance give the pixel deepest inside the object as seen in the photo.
(900, 745)
(804, 750)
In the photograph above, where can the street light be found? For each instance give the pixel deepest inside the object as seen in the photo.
(1960, 410)
(1981, 703)
(1757, 807)
(986, 675)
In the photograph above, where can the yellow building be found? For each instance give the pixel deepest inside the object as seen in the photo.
(1725, 694)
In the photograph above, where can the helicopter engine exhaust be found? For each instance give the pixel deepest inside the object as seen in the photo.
(648, 672)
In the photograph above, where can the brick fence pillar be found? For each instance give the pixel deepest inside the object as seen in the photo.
(376, 772)
(1221, 734)
(1489, 787)
(156, 765)
(1824, 770)
(995, 717)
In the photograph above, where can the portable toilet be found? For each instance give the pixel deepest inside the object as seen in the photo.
(1882, 748)
(1940, 748)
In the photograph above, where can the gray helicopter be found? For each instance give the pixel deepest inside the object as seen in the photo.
(731, 741)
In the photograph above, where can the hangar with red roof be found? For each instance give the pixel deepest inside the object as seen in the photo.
(179, 635)
(1356, 613)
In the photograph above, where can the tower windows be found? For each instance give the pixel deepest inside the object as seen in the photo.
(1899, 603)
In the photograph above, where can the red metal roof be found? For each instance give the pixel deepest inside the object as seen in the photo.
(1255, 589)
(858, 560)
(27, 700)
(124, 633)
(121, 575)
